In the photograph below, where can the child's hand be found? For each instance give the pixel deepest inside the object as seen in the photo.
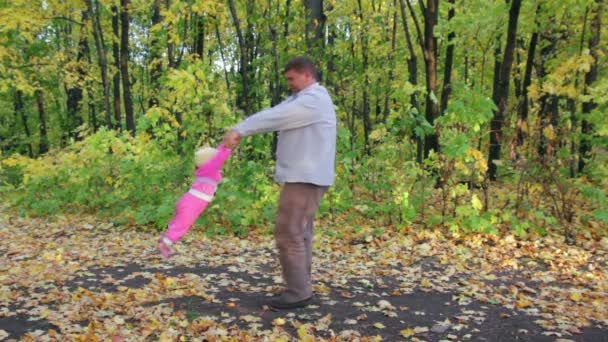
(232, 138)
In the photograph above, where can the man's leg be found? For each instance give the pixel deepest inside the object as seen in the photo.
(309, 241)
(297, 206)
(319, 192)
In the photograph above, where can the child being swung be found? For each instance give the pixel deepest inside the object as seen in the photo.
(190, 206)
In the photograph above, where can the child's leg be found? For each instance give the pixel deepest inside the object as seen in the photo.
(187, 210)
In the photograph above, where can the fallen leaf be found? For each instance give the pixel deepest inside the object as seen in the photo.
(278, 321)
(379, 326)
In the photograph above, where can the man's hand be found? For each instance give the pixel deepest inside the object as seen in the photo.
(232, 139)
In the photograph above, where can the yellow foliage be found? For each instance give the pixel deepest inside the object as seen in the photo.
(549, 133)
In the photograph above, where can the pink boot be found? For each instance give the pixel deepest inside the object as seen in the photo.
(165, 246)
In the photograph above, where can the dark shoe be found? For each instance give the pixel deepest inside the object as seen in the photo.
(280, 304)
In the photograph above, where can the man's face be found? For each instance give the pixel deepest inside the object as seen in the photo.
(298, 80)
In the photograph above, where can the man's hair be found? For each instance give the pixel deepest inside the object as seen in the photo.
(301, 64)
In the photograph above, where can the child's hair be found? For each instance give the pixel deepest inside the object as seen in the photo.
(203, 155)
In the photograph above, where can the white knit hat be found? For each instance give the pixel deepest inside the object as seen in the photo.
(203, 155)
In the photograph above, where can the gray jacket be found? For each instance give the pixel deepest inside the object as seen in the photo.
(306, 149)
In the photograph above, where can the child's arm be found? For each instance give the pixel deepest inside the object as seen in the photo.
(217, 161)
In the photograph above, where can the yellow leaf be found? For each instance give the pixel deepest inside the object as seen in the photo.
(549, 133)
(303, 333)
(523, 303)
(425, 282)
(476, 203)
(489, 277)
(576, 296)
(379, 326)
(278, 321)
(407, 332)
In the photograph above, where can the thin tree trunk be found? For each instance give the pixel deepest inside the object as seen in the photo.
(416, 24)
(243, 96)
(275, 84)
(124, 65)
(200, 36)
(74, 93)
(20, 111)
(548, 102)
(156, 64)
(366, 107)
(101, 59)
(449, 61)
(501, 93)
(572, 104)
(90, 86)
(412, 67)
(43, 146)
(279, 89)
(391, 62)
(116, 78)
(170, 45)
(590, 78)
(251, 45)
(314, 28)
(430, 57)
(522, 124)
(221, 47)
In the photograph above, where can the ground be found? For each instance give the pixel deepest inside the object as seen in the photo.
(79, 278)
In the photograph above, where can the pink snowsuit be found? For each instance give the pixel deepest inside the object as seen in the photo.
(192, 204)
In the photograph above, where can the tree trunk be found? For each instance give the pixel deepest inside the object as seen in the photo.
(100, 46)
(501, 93)
(221, 47)
(20, 111)
(391, 62)
(431, 141)
(275, 83)
(548, 102)
(124, 65)
(366, 107)
(44, 139)
(243, 95)
(74, 93)
(200, 36)
(412, 67)
(449, 61)
(314, 28)
(330, 78)
(116, 78)
(170, 45)
(590, 78)
(156, 64)
(90, 88)
(522, 124)
(572, 105)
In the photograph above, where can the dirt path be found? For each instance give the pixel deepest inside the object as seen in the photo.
(69, 279)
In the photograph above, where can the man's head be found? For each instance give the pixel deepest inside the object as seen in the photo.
(300, 73)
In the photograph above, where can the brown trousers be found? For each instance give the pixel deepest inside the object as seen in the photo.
(298, 205)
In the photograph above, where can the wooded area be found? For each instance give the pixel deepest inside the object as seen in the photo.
(498, 104)
(471, 170)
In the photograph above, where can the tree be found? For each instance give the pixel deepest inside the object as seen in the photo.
(501, 90)
(590, 78)
(124, 65)
(116, 56)
(101, 57)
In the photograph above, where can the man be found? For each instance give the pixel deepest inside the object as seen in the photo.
(306, 151)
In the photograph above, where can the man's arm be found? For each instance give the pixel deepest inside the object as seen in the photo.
(300, 112)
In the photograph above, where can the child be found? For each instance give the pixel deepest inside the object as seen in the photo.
(191, 205)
